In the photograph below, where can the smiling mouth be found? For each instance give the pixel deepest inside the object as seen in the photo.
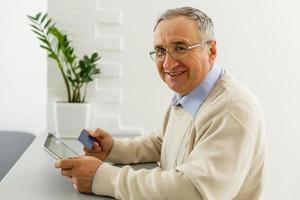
(174, 73)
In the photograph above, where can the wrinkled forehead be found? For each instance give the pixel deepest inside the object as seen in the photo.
(178, 29)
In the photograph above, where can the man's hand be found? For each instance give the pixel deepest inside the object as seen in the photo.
(80, 170)
(102, 146)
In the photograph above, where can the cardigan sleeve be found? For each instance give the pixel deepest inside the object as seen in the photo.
(126, 183)
(141, 149)
(215, 169)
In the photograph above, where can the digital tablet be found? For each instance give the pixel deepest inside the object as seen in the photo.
(57, 148)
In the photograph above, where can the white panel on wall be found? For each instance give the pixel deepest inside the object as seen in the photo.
(22, 69)
(258, 41)
(111, 69)
(85, 25)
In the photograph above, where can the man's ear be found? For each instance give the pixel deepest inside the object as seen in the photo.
(212, 51)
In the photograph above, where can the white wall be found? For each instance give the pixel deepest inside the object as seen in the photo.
(22, 69)
(258, 41)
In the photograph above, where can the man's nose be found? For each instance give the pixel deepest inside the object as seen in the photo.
(169, 62)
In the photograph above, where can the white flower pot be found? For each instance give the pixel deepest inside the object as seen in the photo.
(71, 118)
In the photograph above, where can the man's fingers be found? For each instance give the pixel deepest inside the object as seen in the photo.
(66, 173)
(98, 133)
(95, 148)
(94, 133)
(71, 180)
(92, 154)
(75, 186)
(65, 163)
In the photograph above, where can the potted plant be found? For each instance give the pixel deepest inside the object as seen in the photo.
(72, 115)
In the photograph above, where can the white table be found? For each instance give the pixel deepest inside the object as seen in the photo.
(34, 177)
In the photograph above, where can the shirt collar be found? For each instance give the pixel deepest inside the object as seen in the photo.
(193, 100)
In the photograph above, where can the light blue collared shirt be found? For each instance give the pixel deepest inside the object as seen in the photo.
(193, 100)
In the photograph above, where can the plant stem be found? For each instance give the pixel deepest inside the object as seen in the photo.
(76, 94)
(65, 79)
(84, 92)
(58, 62)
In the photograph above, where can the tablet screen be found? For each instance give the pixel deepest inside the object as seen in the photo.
(57, 148)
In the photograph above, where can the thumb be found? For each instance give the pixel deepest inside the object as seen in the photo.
(98, 133)
(65, 164)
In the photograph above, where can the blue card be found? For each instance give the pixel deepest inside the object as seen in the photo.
(86, 139)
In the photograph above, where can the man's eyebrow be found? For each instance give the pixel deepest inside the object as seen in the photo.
(179, 42)
(173, 43)
(158, 47)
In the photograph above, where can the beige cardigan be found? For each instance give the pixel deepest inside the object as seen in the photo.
(218, 155)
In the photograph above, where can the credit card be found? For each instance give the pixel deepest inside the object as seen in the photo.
(86, 139)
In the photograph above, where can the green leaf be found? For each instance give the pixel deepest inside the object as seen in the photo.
(35, 27)
(70, 79)
(38, 16)
(44, 40)
(58, 47)
(44, 17)
(44, 47)
(38, 33)
(47, 24)
(31, 17)
(86, 60)
(94, 56)
(34, 22)
(53, 56)
(68, 71)
(55, 32)
(49, 29)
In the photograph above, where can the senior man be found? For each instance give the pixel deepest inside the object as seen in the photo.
(211, 145)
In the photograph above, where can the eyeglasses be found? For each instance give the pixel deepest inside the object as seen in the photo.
(177, 51)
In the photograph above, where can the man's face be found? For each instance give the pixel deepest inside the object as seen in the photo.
(184, 74)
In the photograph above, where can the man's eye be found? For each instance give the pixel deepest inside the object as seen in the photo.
(160, 52)
(180, 49)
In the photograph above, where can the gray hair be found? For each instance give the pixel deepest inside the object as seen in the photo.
(205, 23)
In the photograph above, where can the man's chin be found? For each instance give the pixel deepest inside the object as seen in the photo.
(176, 89)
